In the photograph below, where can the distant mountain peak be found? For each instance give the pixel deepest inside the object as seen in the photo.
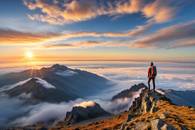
(59, 67)
(129, 93)
(86, 104)
(35, 80)
(85, 111)
(44, 83)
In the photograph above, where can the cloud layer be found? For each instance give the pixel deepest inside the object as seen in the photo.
(9, 36)
(62, 12)
(175, 36)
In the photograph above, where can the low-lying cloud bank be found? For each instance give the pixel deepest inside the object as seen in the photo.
(44, 112)
(10, 109)
(50, 113)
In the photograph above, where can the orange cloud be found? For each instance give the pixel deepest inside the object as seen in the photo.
(130, 6)
(17, 37)
(159, 11)
(179, 35)
(81, 10)
(133, 32)
(184, 43)
(71, 11)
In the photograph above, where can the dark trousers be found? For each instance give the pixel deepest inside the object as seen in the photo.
(153, 81)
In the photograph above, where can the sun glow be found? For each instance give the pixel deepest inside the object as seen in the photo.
(29, 54)
(30, 60)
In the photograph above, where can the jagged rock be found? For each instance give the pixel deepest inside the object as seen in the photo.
(82, 113)
(155, 124)
(128, 93)
(146, 102)
(145, 105)
(162, 115)
(159, 124)
(142, 126)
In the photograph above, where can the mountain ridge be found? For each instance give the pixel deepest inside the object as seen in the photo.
(66, 81)
(38, 90)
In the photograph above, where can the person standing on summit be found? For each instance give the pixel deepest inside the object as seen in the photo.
(152, 72)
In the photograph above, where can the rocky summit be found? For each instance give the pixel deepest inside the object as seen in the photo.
(155, 111)
(150, 111)
(146, 103)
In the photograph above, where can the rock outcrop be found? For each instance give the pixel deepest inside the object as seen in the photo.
(85, 111)
(146, 102)
(129, 93)
(154, 111)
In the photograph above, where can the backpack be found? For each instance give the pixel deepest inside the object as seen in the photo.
(154, 71)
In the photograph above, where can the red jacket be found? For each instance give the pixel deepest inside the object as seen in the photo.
(152, 72)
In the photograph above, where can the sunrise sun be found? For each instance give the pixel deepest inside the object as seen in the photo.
(29, 54)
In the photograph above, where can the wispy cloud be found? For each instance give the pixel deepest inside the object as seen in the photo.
(184, 43)
(159, 11)
(86, 44)
(8, 36)
(175, 36)
(62, 12)
(180, 35)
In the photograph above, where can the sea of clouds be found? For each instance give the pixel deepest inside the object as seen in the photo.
(179, 76)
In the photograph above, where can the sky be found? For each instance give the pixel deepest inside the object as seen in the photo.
(53, 30)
